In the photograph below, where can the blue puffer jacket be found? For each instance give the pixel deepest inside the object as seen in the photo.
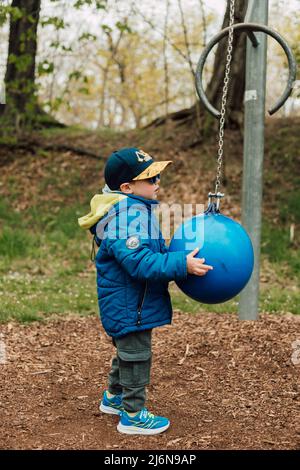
(134, 268)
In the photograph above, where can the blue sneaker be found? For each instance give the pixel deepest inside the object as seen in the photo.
(112, 406)
(142, 423)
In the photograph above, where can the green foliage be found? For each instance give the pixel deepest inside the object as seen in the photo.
(66, 49)
(184, 303)
(98, 4)
(15, 243)
(8, 138)
(87, 37)
(55, 104)
(22, 62)
(277, 246)
(43, 258)
(45, 67)
(290, 207)
(75, 75)
(84, 90)
(55, 21)
(21, 101)
(123, 27)
(54, 44)
(272, 300)
(28, 295)
(6, 10)
(106, 28)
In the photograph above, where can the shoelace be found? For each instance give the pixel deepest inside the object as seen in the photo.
(147, 413)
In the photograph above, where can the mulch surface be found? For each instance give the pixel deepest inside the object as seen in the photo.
(224, 384)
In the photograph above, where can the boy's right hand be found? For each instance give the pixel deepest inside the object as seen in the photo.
(196, 265)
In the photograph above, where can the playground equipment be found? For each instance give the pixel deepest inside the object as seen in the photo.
(225, 244)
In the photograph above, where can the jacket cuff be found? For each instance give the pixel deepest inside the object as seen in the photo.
(181, 267)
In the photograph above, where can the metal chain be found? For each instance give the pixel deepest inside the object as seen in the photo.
(224, 98)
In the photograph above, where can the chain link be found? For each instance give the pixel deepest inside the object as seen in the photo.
(224, 98)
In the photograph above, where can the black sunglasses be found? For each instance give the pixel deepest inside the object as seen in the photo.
(153, 179)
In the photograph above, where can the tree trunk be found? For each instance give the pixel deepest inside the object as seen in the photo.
(22, 109)
(234, 109)
(20, 70)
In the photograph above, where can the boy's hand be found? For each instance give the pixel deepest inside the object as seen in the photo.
(196, 265)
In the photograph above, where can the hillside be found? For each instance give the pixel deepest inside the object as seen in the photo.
(44, 191)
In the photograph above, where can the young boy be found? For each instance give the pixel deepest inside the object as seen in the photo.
(133, 270)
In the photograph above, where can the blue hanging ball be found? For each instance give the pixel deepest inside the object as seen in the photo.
(226, 246)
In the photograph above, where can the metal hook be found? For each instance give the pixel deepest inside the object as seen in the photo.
(214, 206)
(248, 28)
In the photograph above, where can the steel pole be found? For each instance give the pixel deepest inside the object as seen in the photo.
(254, 124)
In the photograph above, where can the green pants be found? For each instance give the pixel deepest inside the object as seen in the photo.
(130, 371)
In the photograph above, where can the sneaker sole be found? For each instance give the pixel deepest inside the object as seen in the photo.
(109, 410)
(136, 430)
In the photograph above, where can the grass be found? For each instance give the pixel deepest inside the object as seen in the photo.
(279, 249)
(272, 300)
(45, 269)
(28, 297)
(56, 285)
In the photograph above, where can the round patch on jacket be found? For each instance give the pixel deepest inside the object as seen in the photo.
(133, 242)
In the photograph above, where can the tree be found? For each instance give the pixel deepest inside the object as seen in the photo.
(214, 89)
(20, 70)
(237, 78)
(22, 107)
(112, 59)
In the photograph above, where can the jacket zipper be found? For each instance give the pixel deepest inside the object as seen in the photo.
(139, 318)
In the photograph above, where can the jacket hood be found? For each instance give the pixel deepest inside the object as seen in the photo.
(102, 203)
(100, 206)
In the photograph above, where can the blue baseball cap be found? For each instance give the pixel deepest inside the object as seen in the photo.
(131, 164)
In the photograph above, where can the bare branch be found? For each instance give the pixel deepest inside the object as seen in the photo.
(166, 60)
(204, 41)
(154, 27)
(186, 40)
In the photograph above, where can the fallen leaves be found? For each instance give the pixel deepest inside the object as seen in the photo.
(211, 375)
(185, 355)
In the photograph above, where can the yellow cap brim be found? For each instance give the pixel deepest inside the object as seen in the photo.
(154, 169)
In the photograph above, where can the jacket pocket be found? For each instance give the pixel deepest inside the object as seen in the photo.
(134, 368)
(134, 353)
